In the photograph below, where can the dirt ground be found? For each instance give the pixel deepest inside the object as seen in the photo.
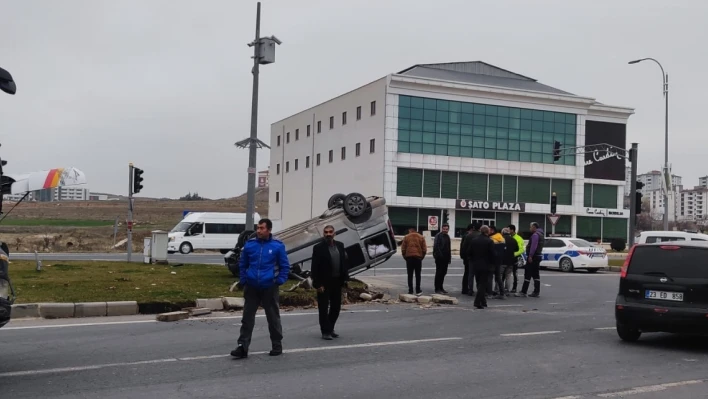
(87, 226)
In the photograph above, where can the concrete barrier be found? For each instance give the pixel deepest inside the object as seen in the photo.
(173, 316)
(124, 308)
(24, 310)
(90, 309)
(233, 303)
(211, 303)
(56, 310)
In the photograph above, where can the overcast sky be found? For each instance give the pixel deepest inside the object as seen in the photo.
(167, 84)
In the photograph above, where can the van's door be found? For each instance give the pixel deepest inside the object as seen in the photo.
(195, 235)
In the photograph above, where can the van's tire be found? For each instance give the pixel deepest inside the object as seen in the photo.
(566, 265)
(355, 204)
(593, 270)
(185, 248)
(628, 333)
(335, 200)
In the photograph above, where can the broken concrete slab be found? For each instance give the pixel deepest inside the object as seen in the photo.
(424, 299)
(365, 296)
(197, 311)
(445, 300)
(173, 316)
(408, 298)
(211, 303)
(233, 303)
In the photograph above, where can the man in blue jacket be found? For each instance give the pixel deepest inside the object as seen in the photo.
(264, 268)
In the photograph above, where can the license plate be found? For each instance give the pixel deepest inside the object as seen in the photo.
(664, 295)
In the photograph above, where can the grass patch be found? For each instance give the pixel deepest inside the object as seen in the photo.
(149, 285)
(616, 262)
(57, 223)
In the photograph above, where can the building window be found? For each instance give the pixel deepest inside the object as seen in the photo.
(358, 113)
(308, 130)
(372, 146)
(287, 137)
(318, 159)
(297, 134)
(373, 108)
(296, 164)
(307, 161)
(277, 196)
(461, 129)
(331, 156)
(344, 118)
(358, 149)
(319, 126)
(287, 167)
(278, 140)
(344, 153)
(331, 122)
(277, 169)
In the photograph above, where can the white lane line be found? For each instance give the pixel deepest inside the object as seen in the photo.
(570, 397)
(108, 323)
(369, 273)
(403, 269)
(530, 333)
(649, 388)
(192, 358)
(605, 328)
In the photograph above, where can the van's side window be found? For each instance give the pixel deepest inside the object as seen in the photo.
(653, 239)
(224, 228)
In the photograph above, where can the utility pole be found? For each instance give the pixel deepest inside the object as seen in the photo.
(633, 195)
(130, 211)
(263, 53)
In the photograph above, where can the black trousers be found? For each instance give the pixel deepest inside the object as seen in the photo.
(498, 280)
(440, 273)
(467, 278)
(269, 299)
(414, 265)
(533, 269)
(482, 277)
(329, 303)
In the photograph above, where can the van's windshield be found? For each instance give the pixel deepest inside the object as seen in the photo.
(181, 227)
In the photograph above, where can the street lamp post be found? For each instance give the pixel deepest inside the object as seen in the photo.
(665, 78)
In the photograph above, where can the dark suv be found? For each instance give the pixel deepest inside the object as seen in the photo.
(663, 288)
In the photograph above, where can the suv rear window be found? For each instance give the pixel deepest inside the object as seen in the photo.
(654, 239)
(683, 262)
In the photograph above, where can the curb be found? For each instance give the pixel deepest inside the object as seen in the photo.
(615, 268)
(52, 310)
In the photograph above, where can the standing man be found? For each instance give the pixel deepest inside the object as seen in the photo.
(414, 249)
(468, 275)
(520, 250)
(264, 267)
(330, 272)
(442, 252)
(499, 250)
(482, 257)
(534, 251)
(509, 260)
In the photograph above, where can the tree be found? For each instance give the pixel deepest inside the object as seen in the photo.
(192, 197)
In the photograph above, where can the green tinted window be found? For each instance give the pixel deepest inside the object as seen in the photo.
(589, 228)
(495, 188)
(534, 189)
(473, 186)
(409, 182)
(449, 185)
(564, 191)
(614, 228)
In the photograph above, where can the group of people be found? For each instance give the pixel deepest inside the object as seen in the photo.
(491, 258)
(264, 267)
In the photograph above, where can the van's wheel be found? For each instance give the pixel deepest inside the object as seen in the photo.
(336, 199)
(628, 333)
(355, 204)
(566, 265)
(185, 248)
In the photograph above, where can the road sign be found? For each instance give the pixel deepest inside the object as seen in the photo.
(432, 223)
(553, 219)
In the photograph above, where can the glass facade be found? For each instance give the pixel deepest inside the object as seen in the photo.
(454, 128)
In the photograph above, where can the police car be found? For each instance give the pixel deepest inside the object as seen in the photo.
(568, 254)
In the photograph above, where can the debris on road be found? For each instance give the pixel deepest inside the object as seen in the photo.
(173, 316)
(366, 297)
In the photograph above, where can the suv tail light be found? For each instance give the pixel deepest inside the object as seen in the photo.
(669, 247)
(623, 274)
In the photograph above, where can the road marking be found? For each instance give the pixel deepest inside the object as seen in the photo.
(369, 273)
(530, 333)
(605, 328)
(649, 388)
(570, 397)
(208, 357)
(108, 323)
(403, 269)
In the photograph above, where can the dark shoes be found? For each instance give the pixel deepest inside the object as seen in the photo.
(239, 353)
(327, 337)
(334, 335)
(275, 352)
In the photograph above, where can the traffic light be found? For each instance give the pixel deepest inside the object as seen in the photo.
(137, 180)
(446, 218)
(556, 151)
(554, 202)
(638, 198)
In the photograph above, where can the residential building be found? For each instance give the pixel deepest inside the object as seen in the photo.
(703, 181)
(467, 142)
(693, 205)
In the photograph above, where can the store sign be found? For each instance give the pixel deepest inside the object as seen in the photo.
(603, 212)
(490, 205)
(605, 164)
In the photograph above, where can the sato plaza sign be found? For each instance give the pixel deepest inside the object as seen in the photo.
(490, 205)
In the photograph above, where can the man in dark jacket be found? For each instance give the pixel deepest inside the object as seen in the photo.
(482, 258)
(442, 252)
(468, 275)
(534, 254)
(496, 278)
(329, 272)
(509, 260)
(263, 267)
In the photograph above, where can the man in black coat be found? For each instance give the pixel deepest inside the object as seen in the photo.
(468, 275)
(329, 272)
(482, 258)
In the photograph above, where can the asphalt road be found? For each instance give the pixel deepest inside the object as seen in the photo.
(561, 345)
